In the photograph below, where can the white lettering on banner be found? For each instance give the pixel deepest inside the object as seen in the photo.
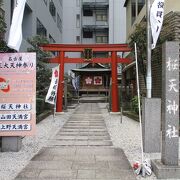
(156, 19)
(52, 92)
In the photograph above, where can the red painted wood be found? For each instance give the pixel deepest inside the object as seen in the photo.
(114, 48)
(115, 99)
(94, 60)
(81, 47)
(59, 104)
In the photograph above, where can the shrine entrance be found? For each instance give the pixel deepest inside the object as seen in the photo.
(88, 50)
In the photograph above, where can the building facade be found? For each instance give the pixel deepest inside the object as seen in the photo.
(136, 14)
(42, 17)
(93, 22)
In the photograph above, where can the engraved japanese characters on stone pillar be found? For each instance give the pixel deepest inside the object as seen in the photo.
(170, 104)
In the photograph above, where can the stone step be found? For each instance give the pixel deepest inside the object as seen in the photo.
(79, 143)
(65, 137)
(82, 130)
(83, 127)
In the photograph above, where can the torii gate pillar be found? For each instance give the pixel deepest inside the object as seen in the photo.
(114, 91)
(60, 92)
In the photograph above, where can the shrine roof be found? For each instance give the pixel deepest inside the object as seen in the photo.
(97, 67)
(92, 70)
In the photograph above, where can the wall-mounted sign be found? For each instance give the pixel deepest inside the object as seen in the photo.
(17, 94)
(88, 54)
(97, 80)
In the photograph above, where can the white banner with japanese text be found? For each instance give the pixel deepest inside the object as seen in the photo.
(52, 92)
(17, 94)
(156, 19)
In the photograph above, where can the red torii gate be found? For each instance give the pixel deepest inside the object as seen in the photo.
(114, 59)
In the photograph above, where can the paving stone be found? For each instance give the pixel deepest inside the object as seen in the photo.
(99, 143)
(60, 151)
(57, 174)
(29, 173)
(61, 143)
(81, 137)
(86, 174)
(108, 158)
(39, 165)
(95, 151)
(110, 174)
(82, 158)
(65, 137)
(99, 138)
(68, 133)
(90, 166)
(81, 143)
(43, 157)
(120, 165)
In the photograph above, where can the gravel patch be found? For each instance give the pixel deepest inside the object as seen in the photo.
(13, 162)
(126, 135)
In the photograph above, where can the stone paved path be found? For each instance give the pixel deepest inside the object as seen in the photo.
(82, 150)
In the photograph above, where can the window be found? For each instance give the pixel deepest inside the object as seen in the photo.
(40, 29)
(77, 20)
(52, 9)
(87, 34)
(101, 39)
(136, 7)
(59, 23)
(77, 39)
(87, 12)
(101, 17)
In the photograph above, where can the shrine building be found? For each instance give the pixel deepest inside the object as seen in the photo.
(94, 79)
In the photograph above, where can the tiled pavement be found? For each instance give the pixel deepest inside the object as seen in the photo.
(82, 150)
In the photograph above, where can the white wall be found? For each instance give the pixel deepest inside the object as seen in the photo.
(70, 30)
(117, 22)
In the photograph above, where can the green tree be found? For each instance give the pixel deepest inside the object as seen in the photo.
(139, 37)
(43, 72)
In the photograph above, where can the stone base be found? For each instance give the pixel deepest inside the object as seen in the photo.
(163, 171)
(151, 125)
(11, 144)
(115, 113)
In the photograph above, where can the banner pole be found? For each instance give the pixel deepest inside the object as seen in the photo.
(138, 92)
(54, 113)
(149, 74)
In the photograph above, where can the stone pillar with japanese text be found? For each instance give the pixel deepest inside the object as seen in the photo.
(170, 104)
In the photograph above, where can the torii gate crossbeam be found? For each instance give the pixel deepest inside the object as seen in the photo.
(114, 59)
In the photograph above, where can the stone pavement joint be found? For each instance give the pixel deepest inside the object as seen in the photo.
(82, 149)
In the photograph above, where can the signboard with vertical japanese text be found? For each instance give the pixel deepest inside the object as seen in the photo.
(17, 94)
(170, 103)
